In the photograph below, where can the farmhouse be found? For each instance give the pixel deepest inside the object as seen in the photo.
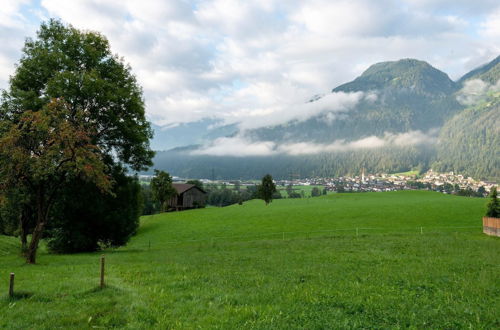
(188, 196)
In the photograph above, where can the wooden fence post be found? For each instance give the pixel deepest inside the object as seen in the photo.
(11, 285)
(102, 271)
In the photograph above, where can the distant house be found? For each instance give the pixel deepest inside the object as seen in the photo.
(188, 196)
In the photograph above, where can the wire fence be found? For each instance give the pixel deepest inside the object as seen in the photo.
(316, 234)
(354, 232)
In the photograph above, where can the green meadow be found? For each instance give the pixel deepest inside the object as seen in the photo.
(408, 259)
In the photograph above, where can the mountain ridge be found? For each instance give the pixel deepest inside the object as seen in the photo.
(418, 99)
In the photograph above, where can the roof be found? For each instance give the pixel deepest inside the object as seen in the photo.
(183, 187)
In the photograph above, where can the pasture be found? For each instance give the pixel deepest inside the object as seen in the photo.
(372, 260)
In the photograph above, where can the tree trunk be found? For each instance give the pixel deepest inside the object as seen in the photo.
(42, 214)
(35, 239)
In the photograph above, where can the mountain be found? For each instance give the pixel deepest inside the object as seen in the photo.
(399, 96)
(469, 143)
(489, 73)
(166, 138)
(406, 75)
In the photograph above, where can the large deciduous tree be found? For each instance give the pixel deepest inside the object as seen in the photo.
(100, 94)
(41, 152)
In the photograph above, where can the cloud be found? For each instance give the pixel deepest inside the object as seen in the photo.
(475, 90)
(240, 146)
(276, 109)
(257, 62)
(491, 26)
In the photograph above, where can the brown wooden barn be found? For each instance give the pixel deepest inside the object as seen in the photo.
(188, 196)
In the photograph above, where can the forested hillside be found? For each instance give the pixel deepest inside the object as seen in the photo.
(469, 143)
(381, 160)
(457, 126)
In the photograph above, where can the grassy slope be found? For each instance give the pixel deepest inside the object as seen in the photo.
(393, 276)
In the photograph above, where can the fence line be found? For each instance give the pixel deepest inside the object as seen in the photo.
(283, 235)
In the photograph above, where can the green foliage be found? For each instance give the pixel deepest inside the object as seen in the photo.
(99, 123)
(267, 189)
(385, 278)
(197, 183)
(493, 208)
(469, 143)
(78, 66)
(382, 160)
(224, 196)
(44, 150)
(315, 192)
(162, 189)
(149, 205)
(110, 222)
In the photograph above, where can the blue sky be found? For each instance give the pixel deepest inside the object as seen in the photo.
(256, 62)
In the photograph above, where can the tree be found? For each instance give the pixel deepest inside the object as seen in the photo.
(237, 186)
(99, 93)
(493, 208)
(267, 188)
(197, 183)
(315, 192)
(44, 150)
(162, 188)
(110, 222)
(79, 67)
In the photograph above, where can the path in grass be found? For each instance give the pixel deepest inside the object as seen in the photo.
(440, 279)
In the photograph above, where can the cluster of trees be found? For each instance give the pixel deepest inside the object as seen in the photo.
(493, 208)
(71, 124)
(450, 189)
(223, 196)
(336, 164)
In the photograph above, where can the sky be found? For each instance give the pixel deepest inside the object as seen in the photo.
(256, 62)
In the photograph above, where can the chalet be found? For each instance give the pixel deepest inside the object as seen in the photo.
(188, 196)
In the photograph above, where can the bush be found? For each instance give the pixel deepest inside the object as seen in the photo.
(86, 219)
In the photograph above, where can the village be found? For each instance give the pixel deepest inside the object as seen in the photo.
(447, 183)
(442, 182)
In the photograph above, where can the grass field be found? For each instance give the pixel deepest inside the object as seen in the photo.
(298, 188)
(408, 173)
(418, 260)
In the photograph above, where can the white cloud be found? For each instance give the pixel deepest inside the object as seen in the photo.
(474, 90)
(239, 145)
(491, 26)
(257, 62)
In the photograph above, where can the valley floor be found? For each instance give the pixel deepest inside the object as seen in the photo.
(375, 260)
